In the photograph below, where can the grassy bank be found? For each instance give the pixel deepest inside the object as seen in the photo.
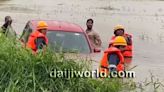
(20, 71)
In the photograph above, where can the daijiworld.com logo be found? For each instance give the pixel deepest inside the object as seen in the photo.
(71, 73)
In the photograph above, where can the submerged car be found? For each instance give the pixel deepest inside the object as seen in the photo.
(67, 37)
(62, 36)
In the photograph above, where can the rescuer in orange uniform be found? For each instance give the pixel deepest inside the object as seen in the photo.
(119, 30)
(38, 39)
(113, 59)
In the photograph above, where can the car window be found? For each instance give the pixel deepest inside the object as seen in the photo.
(26, 32)
(68, 42)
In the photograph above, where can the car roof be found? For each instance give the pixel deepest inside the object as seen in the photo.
(59, 25)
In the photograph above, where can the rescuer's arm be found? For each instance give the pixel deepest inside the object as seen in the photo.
(97, 39)
(128, 39)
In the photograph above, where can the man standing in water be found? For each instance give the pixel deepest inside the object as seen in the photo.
(93, 36)
(7, 28)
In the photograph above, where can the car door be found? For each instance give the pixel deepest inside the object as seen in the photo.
(26, 32)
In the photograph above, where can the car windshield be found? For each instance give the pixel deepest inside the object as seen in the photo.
(69, 42)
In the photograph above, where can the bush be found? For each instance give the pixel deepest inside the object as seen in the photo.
(21, 71)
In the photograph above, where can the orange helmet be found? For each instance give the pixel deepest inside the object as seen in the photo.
(120, 40)
(42, 25)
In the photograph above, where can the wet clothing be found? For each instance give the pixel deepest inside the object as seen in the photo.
(128, 50)
(94, 38)
(112, 58)
(8, 32)
(3, 30)
(40, 43)
(37, 41)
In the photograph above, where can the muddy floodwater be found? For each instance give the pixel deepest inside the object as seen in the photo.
(142, 18)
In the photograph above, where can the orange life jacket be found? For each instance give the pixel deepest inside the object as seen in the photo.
(32, 38)
(104, 62)
(129, 48)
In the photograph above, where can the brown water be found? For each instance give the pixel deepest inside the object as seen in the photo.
(143, 19)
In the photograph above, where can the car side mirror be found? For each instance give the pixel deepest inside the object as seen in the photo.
(97, 50)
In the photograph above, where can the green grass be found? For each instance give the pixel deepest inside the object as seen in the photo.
(21, 71)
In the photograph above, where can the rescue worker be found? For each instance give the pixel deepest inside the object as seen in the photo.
(93, 36)
(7, 28)
(119, 30)
(113, 59)
(38, 40)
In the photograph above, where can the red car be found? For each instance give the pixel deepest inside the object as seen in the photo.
(64, 36)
